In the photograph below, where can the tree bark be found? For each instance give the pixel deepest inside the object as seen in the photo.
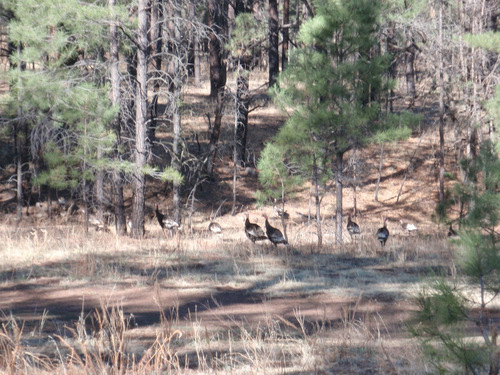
(99, 189)
(410, 71)
(218, 74)
(317, 200)
(218, 71)
(155, 34)
(286, 34)
(175, 73)
(338, 193)
(242, 97)
(214, 137)
(19, 156)
(195, 46)
(19, 151)
(118, 202)
(381, 164)
(138, 203)
(392, 68)
(441, 105)
(273, 53)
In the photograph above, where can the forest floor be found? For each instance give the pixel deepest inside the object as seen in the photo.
(218, 302)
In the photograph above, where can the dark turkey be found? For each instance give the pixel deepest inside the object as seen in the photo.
(253, 231)
(383, 234)
(274, 234)
(352, 228)
(164, 221)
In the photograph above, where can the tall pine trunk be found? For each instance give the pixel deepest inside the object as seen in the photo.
(176, 159)
(242, 97)
(21, 134)
(410, 71)
(317, 200)
(217, 17)
(155, 33)
(441, 105)
(273, 53)
(338, 193)
(138, 203)
(118, 202)
(218, 77)
(286, 34)
(214, 137)
(175, 73)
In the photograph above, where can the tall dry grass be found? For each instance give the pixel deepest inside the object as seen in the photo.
(106, 339)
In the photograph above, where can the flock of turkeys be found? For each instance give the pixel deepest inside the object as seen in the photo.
(255, 233)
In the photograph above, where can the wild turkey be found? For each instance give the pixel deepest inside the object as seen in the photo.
(383, 234)
(352, 228)
(94, 221)
(274, 234)
(214, 227)
(164, 221)
(253, 231)
(98, 224)
(409, 227)
(279, 211)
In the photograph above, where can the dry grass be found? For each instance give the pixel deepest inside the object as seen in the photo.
(201, 303)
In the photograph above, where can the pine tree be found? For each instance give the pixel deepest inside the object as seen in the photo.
(61, 91)
(448, 311)
(332, 84)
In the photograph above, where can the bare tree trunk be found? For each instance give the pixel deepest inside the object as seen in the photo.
(218, 70)
(381, 164)
(99, 189)
(242, 92)
(355, 185)
(392, 68)
(176, 159)
(19, 150)
(118, 203)
(441, 104)
(174, 71)
(410, 72)
(286, 34)
(273, 53)
(85, 207)
(155, 34)
(196, 48)
(218, 76)
(242, 97)
(338, 192)
(317, 200)
(214, 137)
(138, 203)
(235, 157)
(19, 157)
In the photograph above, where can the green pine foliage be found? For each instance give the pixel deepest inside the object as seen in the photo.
(332, 88)
(445, 326)
(63, 100)
(248, 33)
(276, 176)
(450, 318)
